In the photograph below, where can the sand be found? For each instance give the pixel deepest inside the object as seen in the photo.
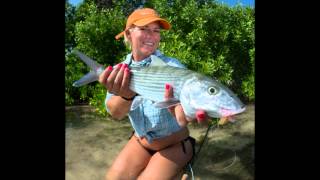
(93, 141)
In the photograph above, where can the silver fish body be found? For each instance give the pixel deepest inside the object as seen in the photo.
(192, 90)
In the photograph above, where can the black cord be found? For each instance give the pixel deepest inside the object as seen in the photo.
(204, 139)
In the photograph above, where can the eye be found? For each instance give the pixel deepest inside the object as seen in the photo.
(142, 28)
(157, 31)
(213, 90)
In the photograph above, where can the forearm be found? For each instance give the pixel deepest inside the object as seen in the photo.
(118, 107)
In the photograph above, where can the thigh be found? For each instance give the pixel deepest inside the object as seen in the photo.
(168, 163)
(130, 162)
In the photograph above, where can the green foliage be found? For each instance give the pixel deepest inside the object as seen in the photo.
(74, 71)
(212, 39)
(207, 37)
(103, 3)
(248, 85)
(70, 20)
(98, 100)
(94, 33)
(128, 6)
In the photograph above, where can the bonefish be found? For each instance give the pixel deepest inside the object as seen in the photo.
(193, 90)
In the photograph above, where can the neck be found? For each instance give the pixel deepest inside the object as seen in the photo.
(137, 57)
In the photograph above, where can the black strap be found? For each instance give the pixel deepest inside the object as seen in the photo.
(128, 99)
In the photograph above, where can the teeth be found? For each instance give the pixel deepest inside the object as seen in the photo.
(149, 43)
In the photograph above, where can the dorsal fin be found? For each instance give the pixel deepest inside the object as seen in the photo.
(156, 61)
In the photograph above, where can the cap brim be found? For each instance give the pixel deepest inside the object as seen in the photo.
(163, 23)
(119, 35)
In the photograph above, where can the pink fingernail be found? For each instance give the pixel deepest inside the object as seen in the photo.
(119, 65)
(109, 68)
(127, 70)
(167, 86)
(200, 115)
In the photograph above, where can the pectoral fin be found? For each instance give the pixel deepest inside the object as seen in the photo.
(167, 103)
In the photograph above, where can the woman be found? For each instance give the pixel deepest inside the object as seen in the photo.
(160, 145)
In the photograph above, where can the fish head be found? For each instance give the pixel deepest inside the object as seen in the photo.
(204, 93)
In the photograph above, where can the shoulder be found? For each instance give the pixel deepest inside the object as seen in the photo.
(127, 58)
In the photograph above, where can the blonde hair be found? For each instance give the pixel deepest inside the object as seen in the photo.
(126, 40)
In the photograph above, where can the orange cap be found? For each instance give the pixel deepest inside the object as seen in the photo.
(142, 17)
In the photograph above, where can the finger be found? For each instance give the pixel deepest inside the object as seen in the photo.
(172, 110)
(112, 77)
(126, 79)
(180, 116)
(118, 80)
(104, 75)
(201, 116)
(168, 93)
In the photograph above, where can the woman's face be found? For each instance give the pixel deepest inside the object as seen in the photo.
(144, 40)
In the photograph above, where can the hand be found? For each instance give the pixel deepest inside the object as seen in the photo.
(117, 80)
(177, 111)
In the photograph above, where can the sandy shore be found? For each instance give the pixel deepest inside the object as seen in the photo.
(92, 142)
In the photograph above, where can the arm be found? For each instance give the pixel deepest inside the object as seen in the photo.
(118, 107)
(116, 82)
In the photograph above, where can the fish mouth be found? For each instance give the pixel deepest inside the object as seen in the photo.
(242, 109)
(231, 112)
(230, 115)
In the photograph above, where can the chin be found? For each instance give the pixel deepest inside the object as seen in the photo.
(147, 52)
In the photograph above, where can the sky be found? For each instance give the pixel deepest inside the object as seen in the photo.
(230, 2)
(234, 2)
(75, 2)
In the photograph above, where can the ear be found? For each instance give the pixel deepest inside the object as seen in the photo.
(128, 35)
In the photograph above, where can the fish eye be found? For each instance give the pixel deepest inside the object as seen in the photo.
(212, 90)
